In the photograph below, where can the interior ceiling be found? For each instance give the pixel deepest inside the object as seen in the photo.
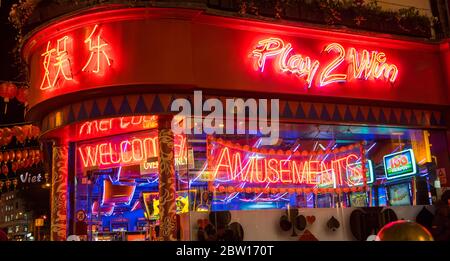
(339, 132)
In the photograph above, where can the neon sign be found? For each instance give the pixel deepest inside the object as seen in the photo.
(98, 50)
(128, 151)
(237, 165)
(56, 59)
(399, 164)
(116, 125)
(57, 65)
(363, 65)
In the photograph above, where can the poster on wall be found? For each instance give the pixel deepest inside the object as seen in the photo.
(399, 164)
(399, 195)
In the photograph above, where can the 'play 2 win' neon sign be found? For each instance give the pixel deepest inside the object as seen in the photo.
(362, 65)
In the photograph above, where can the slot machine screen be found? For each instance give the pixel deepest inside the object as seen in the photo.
(399, 195)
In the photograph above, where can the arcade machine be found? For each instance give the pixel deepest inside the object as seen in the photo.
(361, 198)
(400, 170)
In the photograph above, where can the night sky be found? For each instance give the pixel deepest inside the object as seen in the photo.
(8, 72)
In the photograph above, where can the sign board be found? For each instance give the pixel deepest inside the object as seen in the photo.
(399, 164)
(442, 175)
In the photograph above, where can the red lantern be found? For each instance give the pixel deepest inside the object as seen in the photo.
(8, 91)
(6, 136)
(24, 154)
(18, 155)
(18, 132)
(22, 95)
(12, 155)
(5, 169)
(14, 166)
(26, 129)
(5, 156)
(35, 131)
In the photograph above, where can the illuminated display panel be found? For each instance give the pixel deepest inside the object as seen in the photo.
(400, 195)
(356, 180)
(293, 59)
(399, 164)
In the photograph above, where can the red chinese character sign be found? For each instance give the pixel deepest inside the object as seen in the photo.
(56, 64)
(233, 167)
(346, 65)
(59, 63)
(98, 58)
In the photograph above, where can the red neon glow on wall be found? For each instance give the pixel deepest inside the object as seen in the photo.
(56, 64)
(362, 65)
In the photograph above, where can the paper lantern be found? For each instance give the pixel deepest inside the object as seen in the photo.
(22, 95)
(8, 91)
(14, 166)
(24, 154)
(35, 131)
(6, 136)
(26, 130)
(18, 155)
(5, 169)
(12, 155)
(5, 156)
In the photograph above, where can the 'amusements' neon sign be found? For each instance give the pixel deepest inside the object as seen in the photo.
(362, 65)
(232, 164)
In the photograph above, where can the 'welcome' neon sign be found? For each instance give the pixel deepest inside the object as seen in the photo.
(363, 65)
(128, 150)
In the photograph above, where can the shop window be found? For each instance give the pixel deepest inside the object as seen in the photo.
(312, 166)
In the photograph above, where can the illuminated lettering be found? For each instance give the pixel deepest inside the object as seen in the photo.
(372, 66)
(363, 65)
(127, 151)
(60, 63)
(97, 50)
(113, 125)
(267, 48)
(325, 76)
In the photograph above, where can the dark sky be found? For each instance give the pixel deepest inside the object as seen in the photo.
(8, 72)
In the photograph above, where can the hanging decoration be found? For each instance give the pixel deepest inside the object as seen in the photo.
(21, 132)
(8, 91)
